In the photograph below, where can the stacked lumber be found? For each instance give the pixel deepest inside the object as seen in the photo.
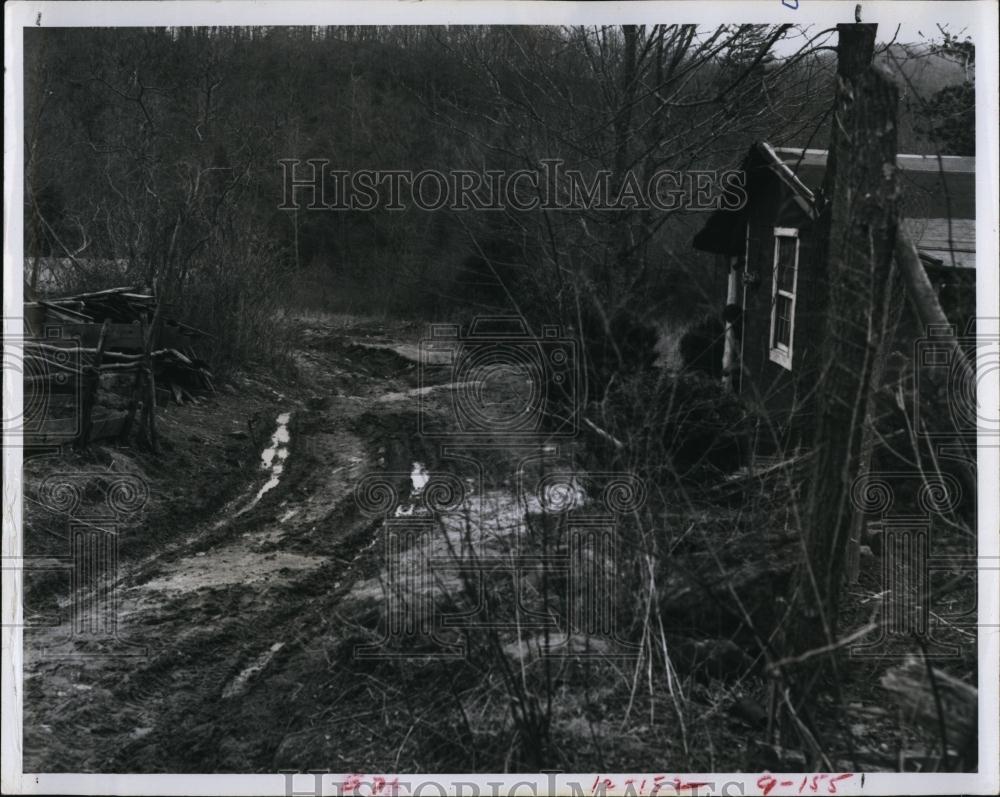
(121, 305)
(77, 347)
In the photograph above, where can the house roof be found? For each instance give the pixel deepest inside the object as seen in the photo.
(723, 232)
(947, 242)
(938, 200)
(932, 187)
(959, 164)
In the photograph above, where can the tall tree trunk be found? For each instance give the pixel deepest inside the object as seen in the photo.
(621, 273)
(862, 219)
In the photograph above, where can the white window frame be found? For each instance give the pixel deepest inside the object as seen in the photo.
(779, 353)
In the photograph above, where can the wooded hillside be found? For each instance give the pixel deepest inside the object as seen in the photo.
(155, 152)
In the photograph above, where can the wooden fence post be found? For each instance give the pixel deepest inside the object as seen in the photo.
(887, 322)
(149, 407)
(923, 298)
(863, 217)
(93, 385)
(136, 389)
(151, 395)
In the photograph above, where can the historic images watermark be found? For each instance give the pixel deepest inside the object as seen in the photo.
(507, 383)
(909, 565)
(549, 541)
(956, 362)
(312, 185)
(93, 507)
(51, 374)
(439, 537)
(903, 509)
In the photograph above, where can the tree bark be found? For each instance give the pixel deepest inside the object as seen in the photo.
(93, 385)
(888, 322)
(862, 218)
(136, 388)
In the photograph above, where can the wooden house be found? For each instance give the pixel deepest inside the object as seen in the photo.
(775, 280)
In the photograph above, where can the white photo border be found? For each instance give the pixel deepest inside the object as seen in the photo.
(979, 17)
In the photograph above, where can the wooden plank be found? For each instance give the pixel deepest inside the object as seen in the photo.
(859, 246)
(37, 345)
(59, 431)
(61, 400)
(176, 337)
(34, 319)
(41, 364)
(107, 292)
(120, 336)
(67, 312)
(151, 335)
(193, 331)
(38, 350)
(108, 426)
(53, 383)
(52, 432)
(120, 368)
(93, 383)
(71, 304)
(924, 299)
(40, 341)
(140, 374)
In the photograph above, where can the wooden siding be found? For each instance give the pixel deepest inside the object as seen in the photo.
(785, 395)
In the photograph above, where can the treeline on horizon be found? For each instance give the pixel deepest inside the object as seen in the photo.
(154, 154)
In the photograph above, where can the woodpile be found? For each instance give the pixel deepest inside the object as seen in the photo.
(90, 354)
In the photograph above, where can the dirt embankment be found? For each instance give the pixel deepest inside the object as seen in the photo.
(252, 578)
(273, 606)
(222, 548)
(252, 597)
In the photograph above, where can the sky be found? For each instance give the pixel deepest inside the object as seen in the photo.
(902, 33)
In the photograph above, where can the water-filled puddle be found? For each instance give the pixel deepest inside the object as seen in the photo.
(272, 460)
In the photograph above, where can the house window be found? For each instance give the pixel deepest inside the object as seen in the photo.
(786, 270)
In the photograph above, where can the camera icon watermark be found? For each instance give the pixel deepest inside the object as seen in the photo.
(909, 566)
(51, 371)
(506, 383)
(95, 507)
(543, 563)
(957, 364)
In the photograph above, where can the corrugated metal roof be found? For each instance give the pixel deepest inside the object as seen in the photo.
(938, 199)
(952, 241)
(929, 189)
(957, 164)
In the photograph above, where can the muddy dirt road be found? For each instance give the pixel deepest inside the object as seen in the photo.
(230, 605)
(360, 597)
(235, 647)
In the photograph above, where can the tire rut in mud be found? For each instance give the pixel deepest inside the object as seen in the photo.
(276, 636)
(191, 721)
